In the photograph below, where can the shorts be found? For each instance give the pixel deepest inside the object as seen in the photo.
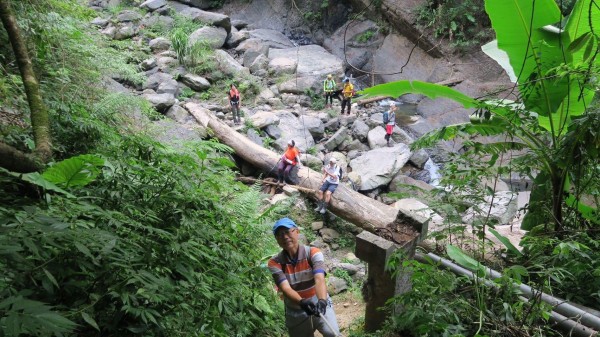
(389, 129)
(327, 186)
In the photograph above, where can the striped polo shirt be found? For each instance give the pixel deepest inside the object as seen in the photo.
(298, 271)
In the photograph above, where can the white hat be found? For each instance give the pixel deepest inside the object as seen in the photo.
(291, 142)
(332, 160)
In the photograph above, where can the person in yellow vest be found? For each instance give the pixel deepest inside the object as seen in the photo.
(329, 88)
(347, 92)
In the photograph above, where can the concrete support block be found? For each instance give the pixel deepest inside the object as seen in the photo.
(380, 285)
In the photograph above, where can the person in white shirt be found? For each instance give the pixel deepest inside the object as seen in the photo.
(389, 119)
(331, 179)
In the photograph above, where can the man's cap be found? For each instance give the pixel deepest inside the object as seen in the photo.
(284, 222)
(347, 80)
(332, 160)
(292, 142)
(329, 76)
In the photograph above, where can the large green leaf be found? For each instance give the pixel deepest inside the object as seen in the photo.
(431, 90)
(75, 171)
(486, 128)
(506, 242)
(538, 210)
(463, 259)
(578, 26)
(533, 49)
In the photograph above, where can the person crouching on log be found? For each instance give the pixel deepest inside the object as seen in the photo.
(331, 179)
(289, 159)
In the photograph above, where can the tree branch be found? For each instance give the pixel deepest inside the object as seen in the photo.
(18, 161)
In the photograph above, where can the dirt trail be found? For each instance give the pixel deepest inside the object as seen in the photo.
(349, 308)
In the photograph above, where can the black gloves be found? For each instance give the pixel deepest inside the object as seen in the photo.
(308, 307)
(322, 307)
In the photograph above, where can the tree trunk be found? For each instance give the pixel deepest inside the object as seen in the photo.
(39, 113)
(17, 161)
(350, 205)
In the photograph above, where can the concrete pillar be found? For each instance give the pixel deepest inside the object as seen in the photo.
(380, 285)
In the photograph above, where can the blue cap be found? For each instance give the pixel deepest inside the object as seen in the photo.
(284, 222)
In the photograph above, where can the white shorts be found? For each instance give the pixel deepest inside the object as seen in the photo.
(299, 324)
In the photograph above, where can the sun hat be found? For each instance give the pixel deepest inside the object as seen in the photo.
(292, 142)
(329, 76)
(332, 160)
(284, 222)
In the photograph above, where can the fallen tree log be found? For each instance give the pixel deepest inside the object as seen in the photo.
(350, 205)
(371, 100)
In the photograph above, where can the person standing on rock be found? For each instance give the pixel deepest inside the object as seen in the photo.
(329, 88)
(331, 179)
(235, 101)
(389, 119)
(299, 273)
(289, 159)
(347, 92)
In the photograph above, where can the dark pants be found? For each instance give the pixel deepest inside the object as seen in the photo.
(235, 110)
(283, 170)
(329, 95)
(346, 101)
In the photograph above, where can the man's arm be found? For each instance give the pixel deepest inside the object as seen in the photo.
(320, 286)
(289, 292)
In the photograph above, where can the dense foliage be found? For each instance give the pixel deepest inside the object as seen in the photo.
(127, 236)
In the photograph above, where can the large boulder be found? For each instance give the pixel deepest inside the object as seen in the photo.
(202, 4)
(376, 138)
(214, 37)
(273, 38)
(297, 85)
(262, 119)
(419, 158)
(236, 37)
(156, 79)
(314, 62)
(347, 42)
(503, 209)
(360, 130)
(159, 44)
(282, 65)
(229, 66)
(128, 16)
(377, 167)
(253, 53)
(291, 128)
(313, 125)
(152, 5)
(259, 66)
(125, 31)
(336, 139)
(210, 18)
(195, 82)
(161, 102)
(168, 87)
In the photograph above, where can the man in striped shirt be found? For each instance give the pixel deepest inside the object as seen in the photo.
(299, 272)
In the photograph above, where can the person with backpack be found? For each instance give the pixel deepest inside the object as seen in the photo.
(389, 119)
(332, 174)
(299, 273)
(347, 92)
(329, 88)
(289, 159)
(235, 101)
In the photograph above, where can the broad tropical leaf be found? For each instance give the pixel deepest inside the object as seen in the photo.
(75, 171)
(463, 259)
(506, 242)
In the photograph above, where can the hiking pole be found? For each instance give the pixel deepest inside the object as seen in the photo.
(328, 324)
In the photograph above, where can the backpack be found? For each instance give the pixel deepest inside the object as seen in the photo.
(341, 174)
(386, 117)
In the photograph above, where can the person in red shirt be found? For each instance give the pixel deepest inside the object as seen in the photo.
(289, 159)
(235, 101)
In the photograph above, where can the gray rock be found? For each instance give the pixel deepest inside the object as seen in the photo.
(239, 24)
(213, 19)
(319, 244)
(273, 38)
(421, 213)
(317, 225)
(109, 31)
(401, 136)
(329, 235)
(264, 96)
(100, 22)
(251, 54)
(166, 63)
(229, 66)
(282, 65)
(254, 137)
(333, 124)
(377, 167)
(419, 158)
(153, 5)
(350, 268)
(214, 37)
(273, 131)
(148, 64)
(336, 285)
(356, 145)
(263, 119)
(236, 37)
(503, 210)
(201, 4)
(410, 187)
(178, 114)
(360, 130)
(259, 65)
(311, 161)
(165, 22)
(161, 102)
(169, 87)
(376, 138)
(195, 82)
(128, 16)
(353, 154)
(290, 191)
(125, 32)
(156, 79)
(291, 128)
(313, 125)
(159, 44)
(336, 139)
